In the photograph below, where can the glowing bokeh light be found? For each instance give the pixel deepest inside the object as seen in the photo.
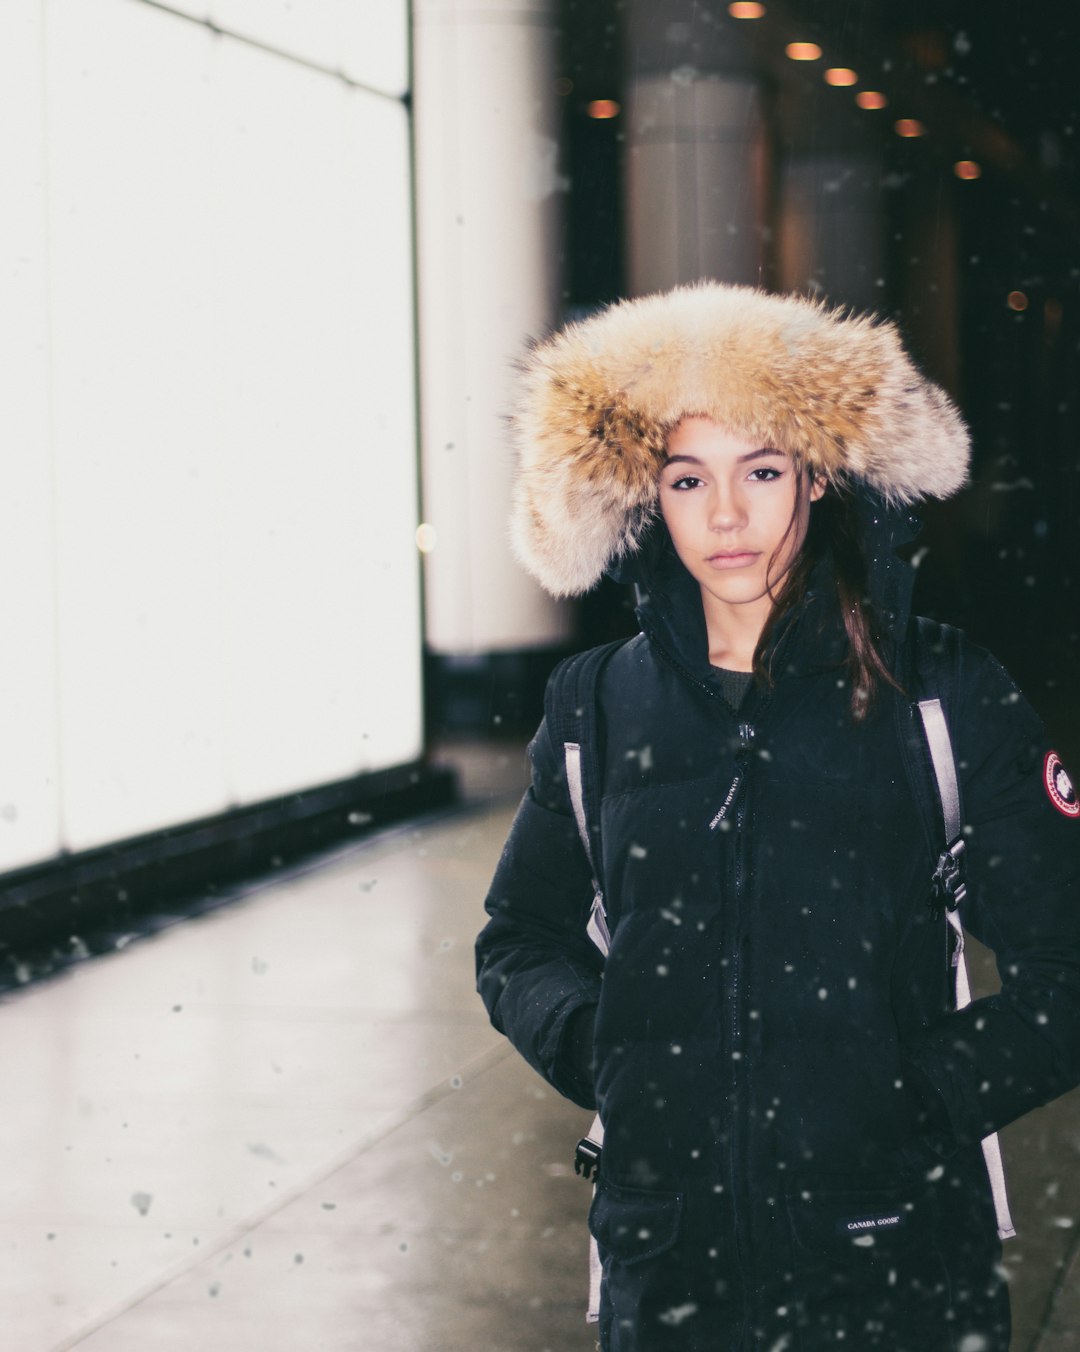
(602, 109)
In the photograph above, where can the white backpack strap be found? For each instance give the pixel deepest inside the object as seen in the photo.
(596, 1271)
(941, 753)
(995, 1168)
(951, 888)
(597, 928)
(991, 1146)
(589, 1148)
(574, 783)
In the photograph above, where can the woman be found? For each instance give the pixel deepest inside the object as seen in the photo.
(792, 1105)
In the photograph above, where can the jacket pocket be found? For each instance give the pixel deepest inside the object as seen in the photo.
(867, 1255)
(632, 1225)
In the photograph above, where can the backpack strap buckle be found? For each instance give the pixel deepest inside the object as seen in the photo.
(587, 1158)
(948, 886)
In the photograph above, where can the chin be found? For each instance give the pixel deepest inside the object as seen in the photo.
(738, 595)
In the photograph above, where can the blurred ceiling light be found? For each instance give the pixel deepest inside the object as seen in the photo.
(909, 126)
(870, 98)
(746, 9)
(602, 109)
(840, 75)
(966, 169)
(1016, 300)
(427, 537)
(803, 51)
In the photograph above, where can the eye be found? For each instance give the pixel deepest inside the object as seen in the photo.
(765, 474)
(687, 481)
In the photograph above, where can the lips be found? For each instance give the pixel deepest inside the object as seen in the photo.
(732, 558)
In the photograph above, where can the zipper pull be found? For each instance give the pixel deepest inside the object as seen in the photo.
(746, 739)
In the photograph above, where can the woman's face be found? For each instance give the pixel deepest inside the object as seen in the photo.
(729, 504)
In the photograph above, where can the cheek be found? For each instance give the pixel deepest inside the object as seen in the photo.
(672, 509)
(798, 533)
(677, 511)
(783, 522)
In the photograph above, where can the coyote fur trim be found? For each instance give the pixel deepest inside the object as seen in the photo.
(598, 399)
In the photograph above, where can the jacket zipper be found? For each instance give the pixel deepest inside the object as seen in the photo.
(736, 797)
(746, 738)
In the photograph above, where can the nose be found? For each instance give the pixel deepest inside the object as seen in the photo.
(727, 510)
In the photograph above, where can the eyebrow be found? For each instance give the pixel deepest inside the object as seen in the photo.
(741, 460)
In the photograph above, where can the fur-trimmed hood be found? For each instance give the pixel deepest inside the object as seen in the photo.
(598, 400)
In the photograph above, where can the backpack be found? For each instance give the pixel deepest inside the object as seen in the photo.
(929, 670)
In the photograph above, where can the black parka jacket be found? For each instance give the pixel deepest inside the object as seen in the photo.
(792, 1108)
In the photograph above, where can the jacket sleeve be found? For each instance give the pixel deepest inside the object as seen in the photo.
(538, 972)
(1016, 1050)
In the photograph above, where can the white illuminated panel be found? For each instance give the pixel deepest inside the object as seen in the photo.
(237, 580)
(134, 411)
(368, 40)
(315, 295)
(29, 822)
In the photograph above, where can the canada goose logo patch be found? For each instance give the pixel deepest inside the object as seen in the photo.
(860, 1225)
(1059, 786)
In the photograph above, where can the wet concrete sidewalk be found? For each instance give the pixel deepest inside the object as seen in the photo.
(287, 1124)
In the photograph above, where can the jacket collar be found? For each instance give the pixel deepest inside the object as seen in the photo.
(811, 638)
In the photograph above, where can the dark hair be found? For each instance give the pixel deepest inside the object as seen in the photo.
(834, 529)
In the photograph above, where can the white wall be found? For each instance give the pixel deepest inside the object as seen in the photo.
(208, 537)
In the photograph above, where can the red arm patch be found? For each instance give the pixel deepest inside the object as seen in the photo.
(1059, 786)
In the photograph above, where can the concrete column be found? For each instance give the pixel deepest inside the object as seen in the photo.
(697, 162)
(831, 228)
(932, 299)
(489, 278)
(831, 219)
